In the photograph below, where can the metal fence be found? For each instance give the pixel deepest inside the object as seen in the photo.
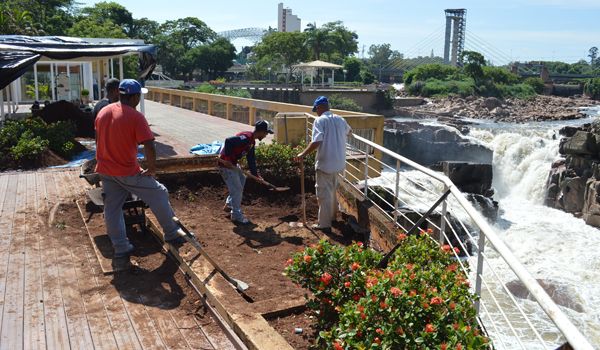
(405, 190)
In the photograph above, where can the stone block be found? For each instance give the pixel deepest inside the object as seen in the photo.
(469, 177)
(581, 143)
(573, 191)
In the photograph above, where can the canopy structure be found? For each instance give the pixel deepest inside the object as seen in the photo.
(67, 65)
(312, 67)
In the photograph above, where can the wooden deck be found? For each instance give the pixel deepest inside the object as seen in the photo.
(53, 294)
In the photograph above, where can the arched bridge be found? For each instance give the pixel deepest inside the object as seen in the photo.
(253, 34)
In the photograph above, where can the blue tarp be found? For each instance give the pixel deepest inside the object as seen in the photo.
(202, 149)
(80, 158)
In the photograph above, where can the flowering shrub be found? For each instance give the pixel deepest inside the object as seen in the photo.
(420, 301)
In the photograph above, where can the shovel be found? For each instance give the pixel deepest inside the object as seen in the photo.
(239, 285)
(270, 185)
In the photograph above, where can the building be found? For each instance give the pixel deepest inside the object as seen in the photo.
(286, 21)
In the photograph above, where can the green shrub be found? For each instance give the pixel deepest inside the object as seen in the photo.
(536, 83)
(367, 77)
(337, 101)
(420, 301)
(499, 75)
(435, 87)
(206, 88)
(28, 149)
(522, 91)
(429, 71)
(416, 88)
(592, 88)
(275, 161)
(210, 89)
(60, 136)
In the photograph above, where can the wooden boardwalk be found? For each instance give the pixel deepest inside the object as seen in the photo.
(53, 294)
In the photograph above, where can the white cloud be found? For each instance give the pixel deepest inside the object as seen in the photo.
(571, 4)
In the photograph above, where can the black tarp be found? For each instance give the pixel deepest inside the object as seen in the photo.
(18, 53)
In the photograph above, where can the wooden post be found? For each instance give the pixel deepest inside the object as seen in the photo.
(193, 104)
(171, 99)
(229, 111)
(210, 107)
(252, 117)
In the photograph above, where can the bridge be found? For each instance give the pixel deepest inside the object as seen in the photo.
(252, 34)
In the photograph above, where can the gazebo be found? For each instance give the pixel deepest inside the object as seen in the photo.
(312, 67)
(66, 65)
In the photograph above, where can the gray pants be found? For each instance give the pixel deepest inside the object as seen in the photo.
(235, 181)
(117, 188)
(325, 188)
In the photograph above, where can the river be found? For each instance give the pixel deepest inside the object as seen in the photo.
(552, 244)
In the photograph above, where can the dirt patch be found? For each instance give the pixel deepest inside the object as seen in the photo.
(254, 253)
(298, 329)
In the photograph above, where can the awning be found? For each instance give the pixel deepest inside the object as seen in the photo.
(318, 64)
(18, 53)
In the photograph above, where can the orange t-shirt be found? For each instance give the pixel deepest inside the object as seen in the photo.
(119, 130)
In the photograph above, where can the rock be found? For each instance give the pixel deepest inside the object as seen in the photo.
(579, 165)
(581, 143)
(561, 294)
(591, 205)
(491, 103)
(469, 177)
(487, 206)
(573, 191)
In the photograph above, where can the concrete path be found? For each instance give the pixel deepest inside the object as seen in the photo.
(178, 129)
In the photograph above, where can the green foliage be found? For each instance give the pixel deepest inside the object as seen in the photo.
(332, 41)
(473, 63)
(367, 77)
(43, 91)
(85, 92)
(382, 55)
(420, 301)
(211, 89)
(275, 160)
(429, 71)
(522, 91)
(89, 27)
(29, 148)
(435, 87)
(592, 88)
(22, 142)
(536, 83)
(215, 58)
(500, 75)
(344, 103)
(285, 48)
(353, 66)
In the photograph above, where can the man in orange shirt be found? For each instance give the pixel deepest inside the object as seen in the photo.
(120, 128)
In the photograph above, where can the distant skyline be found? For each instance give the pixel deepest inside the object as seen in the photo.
(517, 30)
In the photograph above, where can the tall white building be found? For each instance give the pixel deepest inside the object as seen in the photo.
(286, 21)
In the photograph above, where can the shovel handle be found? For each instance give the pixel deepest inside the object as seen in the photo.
(302, 191)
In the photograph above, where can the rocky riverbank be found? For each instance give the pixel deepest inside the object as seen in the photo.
(539, 108)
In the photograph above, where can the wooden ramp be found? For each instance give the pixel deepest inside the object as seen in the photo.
(53, 294)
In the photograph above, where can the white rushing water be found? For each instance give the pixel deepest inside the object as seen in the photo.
(554, 246)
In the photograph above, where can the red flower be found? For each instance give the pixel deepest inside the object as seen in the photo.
(360, 308)
(379, 331)
(395, 291)
(451, 267)
(402, 236)
(289, 262)
(455, 326)
(446, 248)
(459, 346)
(443, 346)
(412, 293)
(456, 250)
(377, 340)
(363, 316)
(360, 244)
(429, 328)
(410, 266)
(355, 266)
(429, 231)
(326, 278)
(425, 306)
(347, 284)
(399, 331)
(356, 297)
(337, 346)
(307, 259)
(383, 305)
(452, 306)
(436, 301)
(373, 298)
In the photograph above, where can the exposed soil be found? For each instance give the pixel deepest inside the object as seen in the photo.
(155, 280)
(254, 253)
(303, 322)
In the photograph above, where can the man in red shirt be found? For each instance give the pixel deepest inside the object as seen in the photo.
(235, 148)
(120, 128)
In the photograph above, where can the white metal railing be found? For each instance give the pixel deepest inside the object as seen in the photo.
(408, 189)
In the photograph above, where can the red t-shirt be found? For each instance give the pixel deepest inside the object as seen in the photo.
(119, 130)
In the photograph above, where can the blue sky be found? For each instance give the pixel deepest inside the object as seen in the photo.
(504, 30)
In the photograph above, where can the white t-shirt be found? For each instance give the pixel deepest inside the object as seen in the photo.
(332, 130)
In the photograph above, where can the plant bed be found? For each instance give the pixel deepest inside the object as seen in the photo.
(255, 253)
(287, 325)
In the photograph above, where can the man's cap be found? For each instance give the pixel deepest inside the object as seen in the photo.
(321, 100)
(131, 87)
(111, 84)
(263, 125)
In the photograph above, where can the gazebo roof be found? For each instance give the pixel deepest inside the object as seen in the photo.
(318, 64)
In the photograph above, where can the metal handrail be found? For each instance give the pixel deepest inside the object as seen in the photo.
(566, 327)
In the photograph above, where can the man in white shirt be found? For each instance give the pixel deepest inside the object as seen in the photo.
(329, 135)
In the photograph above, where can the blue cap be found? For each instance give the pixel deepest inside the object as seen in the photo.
(130, 87)
(321, 100)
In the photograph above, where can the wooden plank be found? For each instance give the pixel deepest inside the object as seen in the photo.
(55, 319)
(164, 324)
(96, 231)
(6, 225)
(143, 324)
(11, 336)
(191, 330)
(34, 335)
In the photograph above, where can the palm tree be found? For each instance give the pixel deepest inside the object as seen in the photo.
(318, 40)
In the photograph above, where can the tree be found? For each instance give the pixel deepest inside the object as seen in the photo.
(317, 40)
(144, 28)
(286, 48)
(382, 55)
(14, 20)
(473, 63)
(214, 58)
(332, 39)
(110, 11)
(353, 66)
(593, 55)
(88, 27)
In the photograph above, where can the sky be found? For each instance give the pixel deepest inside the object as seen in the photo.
(503, 31)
